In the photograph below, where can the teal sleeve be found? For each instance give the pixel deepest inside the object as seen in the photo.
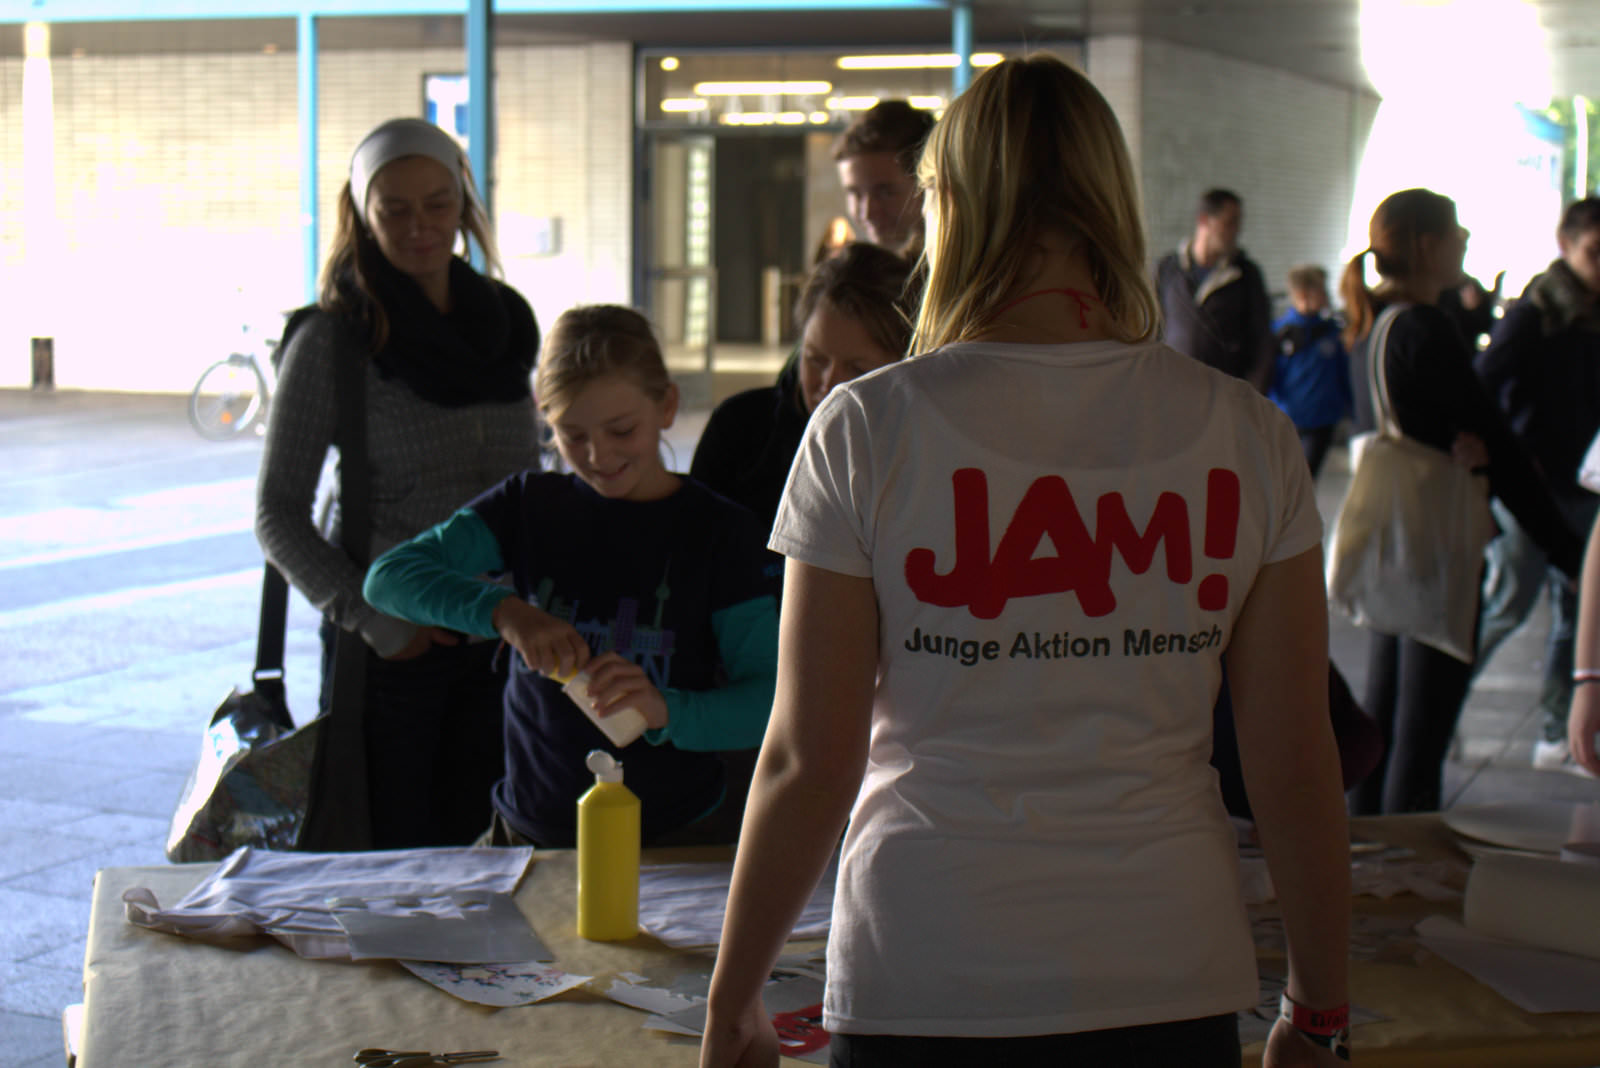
(431, 579)
(733, 716)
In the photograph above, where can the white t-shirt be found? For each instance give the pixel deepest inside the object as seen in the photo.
(1060, 539)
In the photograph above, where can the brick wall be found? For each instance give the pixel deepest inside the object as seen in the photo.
(566, 153)
(1289, 146)
(177, 182)
(177, 186)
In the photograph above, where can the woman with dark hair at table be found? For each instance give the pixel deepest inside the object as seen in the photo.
(855, 317)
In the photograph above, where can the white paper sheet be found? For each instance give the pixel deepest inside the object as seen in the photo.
(287, 895)
(499, 985)
(683, 904)
(1535, 901)
(796, 1008)
(456, 929)
(1535, 980)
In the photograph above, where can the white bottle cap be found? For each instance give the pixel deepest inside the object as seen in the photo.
(606, 767)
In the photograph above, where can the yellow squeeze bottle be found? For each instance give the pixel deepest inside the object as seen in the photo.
(608, 854)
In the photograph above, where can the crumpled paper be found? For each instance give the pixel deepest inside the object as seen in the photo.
(292, 896)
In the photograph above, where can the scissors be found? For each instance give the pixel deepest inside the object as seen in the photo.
(420, 1058)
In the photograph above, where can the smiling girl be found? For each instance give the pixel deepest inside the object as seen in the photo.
(655, 586)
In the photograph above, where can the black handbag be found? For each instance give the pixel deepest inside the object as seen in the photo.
(251, 782)
(260, 781)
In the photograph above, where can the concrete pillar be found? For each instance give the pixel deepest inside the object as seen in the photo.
(480, 105)
(306, 70)
(1115, 63)
(38, 305)
(961, 45)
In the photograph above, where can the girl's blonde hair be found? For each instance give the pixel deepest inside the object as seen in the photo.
(355, 255)
(1030, 148)
(591, 342)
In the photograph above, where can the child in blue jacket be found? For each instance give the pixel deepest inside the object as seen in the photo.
(1311, 379)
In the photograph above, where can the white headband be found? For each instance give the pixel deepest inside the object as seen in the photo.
(397, 138)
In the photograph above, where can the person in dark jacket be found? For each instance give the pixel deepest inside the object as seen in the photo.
(1311, 381)
(1213, 299)
(854, 318)
(1416, 692)
(1472, 308)
(1543, 366)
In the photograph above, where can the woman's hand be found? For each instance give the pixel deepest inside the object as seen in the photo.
(616, 683)
(747, 1040)
(1288, 1048)
(425, 638)
(1469, 451)
(547, 644)
(1582, 723)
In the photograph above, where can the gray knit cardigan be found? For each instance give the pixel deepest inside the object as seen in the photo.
(426, 462)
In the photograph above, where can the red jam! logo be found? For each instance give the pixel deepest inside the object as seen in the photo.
(983, 579)
(800, 1032)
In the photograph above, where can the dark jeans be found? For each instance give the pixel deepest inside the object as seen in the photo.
(1517, 570)
(1314, 442)
(435, 742)
(1210, 1042)
(1416, 694)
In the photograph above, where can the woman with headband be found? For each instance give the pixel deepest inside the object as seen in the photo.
(446, 355)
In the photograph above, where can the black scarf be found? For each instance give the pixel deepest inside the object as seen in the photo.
(481, 352)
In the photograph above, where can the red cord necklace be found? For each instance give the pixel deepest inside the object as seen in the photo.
(1084, 301)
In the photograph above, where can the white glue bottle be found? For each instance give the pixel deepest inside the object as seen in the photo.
(608, 854)
(622, 727)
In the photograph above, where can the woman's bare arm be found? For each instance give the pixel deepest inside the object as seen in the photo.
(805, 784)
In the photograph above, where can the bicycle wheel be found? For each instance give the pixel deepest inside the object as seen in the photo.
(228, 398)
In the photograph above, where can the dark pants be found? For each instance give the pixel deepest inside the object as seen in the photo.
(1211, 1042)
(1416, 694)
(435, 742)
(1517, 569)
(1314, 442)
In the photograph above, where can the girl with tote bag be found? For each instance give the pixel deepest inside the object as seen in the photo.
(1414, 690)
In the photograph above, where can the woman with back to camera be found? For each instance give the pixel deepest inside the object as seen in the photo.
(1416, 692)
(446, 354)
(992, 547)
(854, 316)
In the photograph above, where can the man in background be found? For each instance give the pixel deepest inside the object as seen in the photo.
(877, 159)
(1213, 299)
(1543, 366)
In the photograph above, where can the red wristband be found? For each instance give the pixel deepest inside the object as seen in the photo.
(1315, 1021)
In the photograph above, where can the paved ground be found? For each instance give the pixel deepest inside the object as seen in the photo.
(128, 586)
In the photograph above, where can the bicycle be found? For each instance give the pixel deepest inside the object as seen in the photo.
(232, 394)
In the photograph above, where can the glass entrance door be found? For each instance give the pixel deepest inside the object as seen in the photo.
(680, 277)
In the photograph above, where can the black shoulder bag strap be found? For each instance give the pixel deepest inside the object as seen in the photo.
(267, 678)
(338, 818)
